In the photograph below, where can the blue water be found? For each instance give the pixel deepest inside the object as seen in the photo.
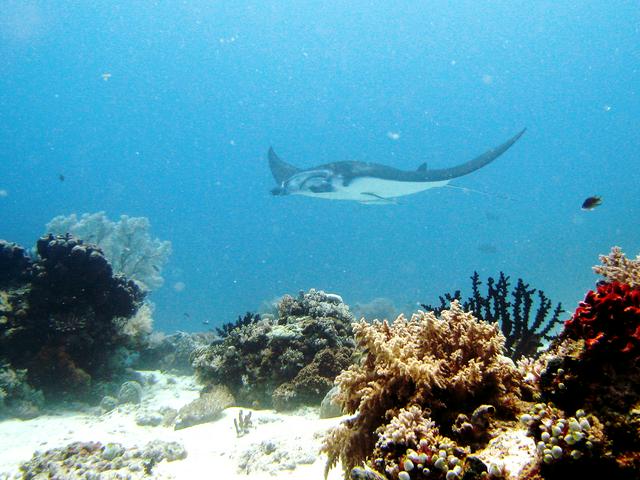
(199, 90)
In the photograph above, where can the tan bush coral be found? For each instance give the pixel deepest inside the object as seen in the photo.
(444, 365)
(616, 267)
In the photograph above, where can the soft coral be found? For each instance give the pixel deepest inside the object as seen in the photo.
(608, 320)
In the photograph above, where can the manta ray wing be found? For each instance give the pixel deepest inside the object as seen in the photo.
(472, 165)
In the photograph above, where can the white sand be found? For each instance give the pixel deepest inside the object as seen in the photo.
(279, 445)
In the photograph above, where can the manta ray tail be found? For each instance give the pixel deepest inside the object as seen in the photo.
(472, 165)
(280, 169)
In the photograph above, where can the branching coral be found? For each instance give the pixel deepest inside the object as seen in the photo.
(137, 328)
(445, 365)
(524, 334)
(616, 267)
(126, 243)
(227, 327)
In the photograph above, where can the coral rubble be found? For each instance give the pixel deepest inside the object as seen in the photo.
(282, 362)
(97, 460)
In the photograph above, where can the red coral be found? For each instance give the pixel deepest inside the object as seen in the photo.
(608, 320)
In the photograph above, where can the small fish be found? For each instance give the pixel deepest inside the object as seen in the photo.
(106, 76)
(156, 268)
(61, 177)
(487, 248)
(187, 315)
(591, 202)
(205, 322)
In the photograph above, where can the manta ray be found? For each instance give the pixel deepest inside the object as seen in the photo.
(370, 183)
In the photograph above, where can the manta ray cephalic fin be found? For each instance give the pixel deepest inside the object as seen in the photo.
(280, 169)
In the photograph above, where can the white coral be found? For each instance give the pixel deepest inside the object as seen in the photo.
(127, 244)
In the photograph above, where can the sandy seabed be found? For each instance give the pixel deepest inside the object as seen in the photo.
(278, 446)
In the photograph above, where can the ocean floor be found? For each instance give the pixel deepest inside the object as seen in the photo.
(278, 446)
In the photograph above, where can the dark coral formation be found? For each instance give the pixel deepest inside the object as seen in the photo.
(61, 322)
(248, 319)
(73, 276)
(283, 362)
(313, 381)
(15, 264)
(524, 334)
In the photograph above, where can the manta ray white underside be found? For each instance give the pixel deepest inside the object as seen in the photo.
(370, 183)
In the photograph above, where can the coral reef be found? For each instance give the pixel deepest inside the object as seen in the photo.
(248, 319)
(206, 408)
(275, 457)
(420, 373)
(172, 353)
(378, 308)
(594, 365)
(130, 392)
(474, 430)
(15, 264)
(95, 460)
(330, 406)
(608, 320)
(66, 322)
(571, 446)
(242, 424)
(524, 335)
(616, 267)
(126, 243)
(283, 362)
(17, 397)
(313, 381)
